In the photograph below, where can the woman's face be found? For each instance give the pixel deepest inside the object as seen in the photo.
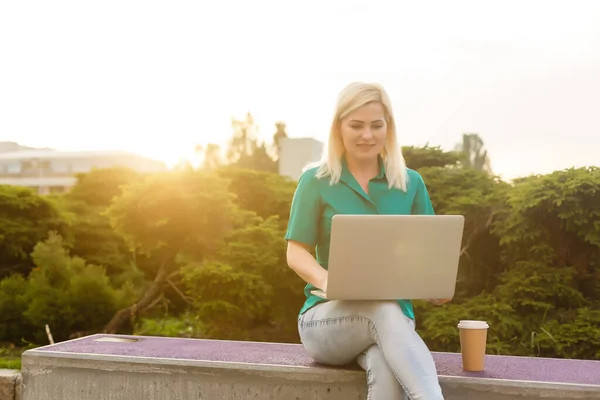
(364, 132)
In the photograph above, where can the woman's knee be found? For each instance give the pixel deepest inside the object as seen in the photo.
(373, 361)
(381, 381)
(334, 341)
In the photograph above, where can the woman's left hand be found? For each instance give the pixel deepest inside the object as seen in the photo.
(438, 302)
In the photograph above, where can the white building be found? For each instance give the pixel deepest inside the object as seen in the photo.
(50, 171)
(296, 153)
(6, 147)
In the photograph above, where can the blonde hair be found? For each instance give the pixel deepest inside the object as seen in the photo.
(352, 97)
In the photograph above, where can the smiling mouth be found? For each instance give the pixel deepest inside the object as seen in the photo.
(366, 144)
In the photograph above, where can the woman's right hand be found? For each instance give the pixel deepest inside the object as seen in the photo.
(438, 302)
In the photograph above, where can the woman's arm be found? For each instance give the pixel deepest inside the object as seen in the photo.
(304, 264)
(303, 231)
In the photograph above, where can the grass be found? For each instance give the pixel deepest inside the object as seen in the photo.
(10, 357)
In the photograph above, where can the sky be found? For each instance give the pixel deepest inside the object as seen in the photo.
(157, 78)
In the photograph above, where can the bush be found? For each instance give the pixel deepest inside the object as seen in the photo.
(13, 304)
(61, 291)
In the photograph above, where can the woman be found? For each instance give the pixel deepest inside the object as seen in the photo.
(362, 172)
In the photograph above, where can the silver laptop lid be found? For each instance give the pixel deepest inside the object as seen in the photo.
(394, 256)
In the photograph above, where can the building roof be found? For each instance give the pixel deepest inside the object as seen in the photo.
(7, 147)
(54, 154)
(39, 181)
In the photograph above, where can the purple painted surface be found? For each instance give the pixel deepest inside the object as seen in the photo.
(449, 364)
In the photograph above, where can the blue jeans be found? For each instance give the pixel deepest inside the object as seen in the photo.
(381, 338)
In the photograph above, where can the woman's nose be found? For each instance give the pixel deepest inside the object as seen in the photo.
(367, 134)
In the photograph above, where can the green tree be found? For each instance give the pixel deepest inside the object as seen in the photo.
(480, 198)
(261, 192)
(67, 293)
(170, 215)
(438, 327)
(473, 153)
(246, 150)
(553, 221)
(243, 289)
(547, 279)
(573, 336)
(423, 157)
(91, 236)
(249, 293)
(25, 219)
(279, 135)
(99, 186)
(211, 243)
(211, 155)
(13, 304)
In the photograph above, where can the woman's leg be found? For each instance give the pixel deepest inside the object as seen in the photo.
(336, 332)
(381, 381)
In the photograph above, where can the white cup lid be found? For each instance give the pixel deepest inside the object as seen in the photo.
(468, 324)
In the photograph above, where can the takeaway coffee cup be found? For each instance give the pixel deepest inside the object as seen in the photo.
(473, 339)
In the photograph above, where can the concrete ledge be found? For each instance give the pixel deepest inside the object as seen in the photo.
(10, 384)
(168, 368)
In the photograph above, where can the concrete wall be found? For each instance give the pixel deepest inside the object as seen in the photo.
(60, 376)
(124, 367)
(10, 384)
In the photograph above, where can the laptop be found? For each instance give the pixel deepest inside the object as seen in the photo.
(390, 257)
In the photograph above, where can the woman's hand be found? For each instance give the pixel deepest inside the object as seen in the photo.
(438, 302)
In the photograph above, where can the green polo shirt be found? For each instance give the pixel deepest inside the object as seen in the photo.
(315, 202)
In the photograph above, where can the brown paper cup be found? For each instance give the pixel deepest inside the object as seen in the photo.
(473, 339)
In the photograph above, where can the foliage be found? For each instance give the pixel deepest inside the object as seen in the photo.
(169, 217)
(279, 135)
(211, 155)
(228, 299)
(439, 325)
(533, 288)
(67, 293)
(25, 219)
(555, 218)
(553, 226)
(426, 157)
(185, 325)
(62, 291)
(264, 193)
(10, 357)
(92, 238)
(200, 253)
(573, 337)
(249, 287)
(479, 197)
(472, 153)
(13, 304)
(90, 235)
(173, 211)
(99, 186)
(246, 150)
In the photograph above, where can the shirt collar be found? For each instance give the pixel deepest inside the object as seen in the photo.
(347, 176)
